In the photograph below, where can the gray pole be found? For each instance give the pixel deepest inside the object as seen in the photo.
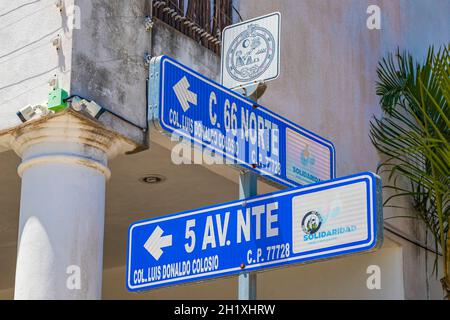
(247, 280)
(248, 188)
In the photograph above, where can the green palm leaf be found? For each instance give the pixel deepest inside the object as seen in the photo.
(414, 136)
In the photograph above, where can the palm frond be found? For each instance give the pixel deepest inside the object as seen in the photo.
(414, 135)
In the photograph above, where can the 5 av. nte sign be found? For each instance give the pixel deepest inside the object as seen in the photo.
(298, 225)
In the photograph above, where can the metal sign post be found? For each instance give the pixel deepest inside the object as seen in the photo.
(248, 187)
(250, 54)
(248, 182)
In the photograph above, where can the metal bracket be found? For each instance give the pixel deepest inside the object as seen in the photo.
(252, 91)
(147, 58)
(259, 91)
(148, 23)
(59, 4)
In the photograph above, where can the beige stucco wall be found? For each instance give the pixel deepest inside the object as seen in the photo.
(327, 83)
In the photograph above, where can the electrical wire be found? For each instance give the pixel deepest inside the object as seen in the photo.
(400, 234)
(109, 111)
(238, 13)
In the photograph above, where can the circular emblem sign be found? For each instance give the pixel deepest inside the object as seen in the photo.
(250, 53)
(311, 222)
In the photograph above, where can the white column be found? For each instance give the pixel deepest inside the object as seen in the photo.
(60, 245)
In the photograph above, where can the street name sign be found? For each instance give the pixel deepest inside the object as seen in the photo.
(234, 128)
(251, 51)
(304, 224)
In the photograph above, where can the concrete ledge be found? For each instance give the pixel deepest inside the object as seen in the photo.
(82, 125)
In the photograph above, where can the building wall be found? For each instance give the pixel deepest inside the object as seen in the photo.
(168, 41)
(327, 84)
(109, 64)
(28, 60)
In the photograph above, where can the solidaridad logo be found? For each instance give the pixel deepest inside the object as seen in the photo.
(311, 222)
(250, 53)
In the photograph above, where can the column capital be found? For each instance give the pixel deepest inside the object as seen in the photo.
(67, 137)
(69, 125)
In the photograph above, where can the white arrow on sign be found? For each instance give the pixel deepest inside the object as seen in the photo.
(155, 242)
(183, 94)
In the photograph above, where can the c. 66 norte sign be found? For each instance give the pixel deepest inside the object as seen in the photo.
(237, 130)
(320, 221)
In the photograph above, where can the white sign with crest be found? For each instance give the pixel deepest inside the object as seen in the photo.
(251, 51)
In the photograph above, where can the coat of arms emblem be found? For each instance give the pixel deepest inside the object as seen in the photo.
(250, 53)
(311, 222)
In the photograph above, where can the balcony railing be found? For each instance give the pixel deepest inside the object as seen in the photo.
(202, 20)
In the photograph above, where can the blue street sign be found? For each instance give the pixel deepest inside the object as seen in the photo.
(235, 129)
(299, 225)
